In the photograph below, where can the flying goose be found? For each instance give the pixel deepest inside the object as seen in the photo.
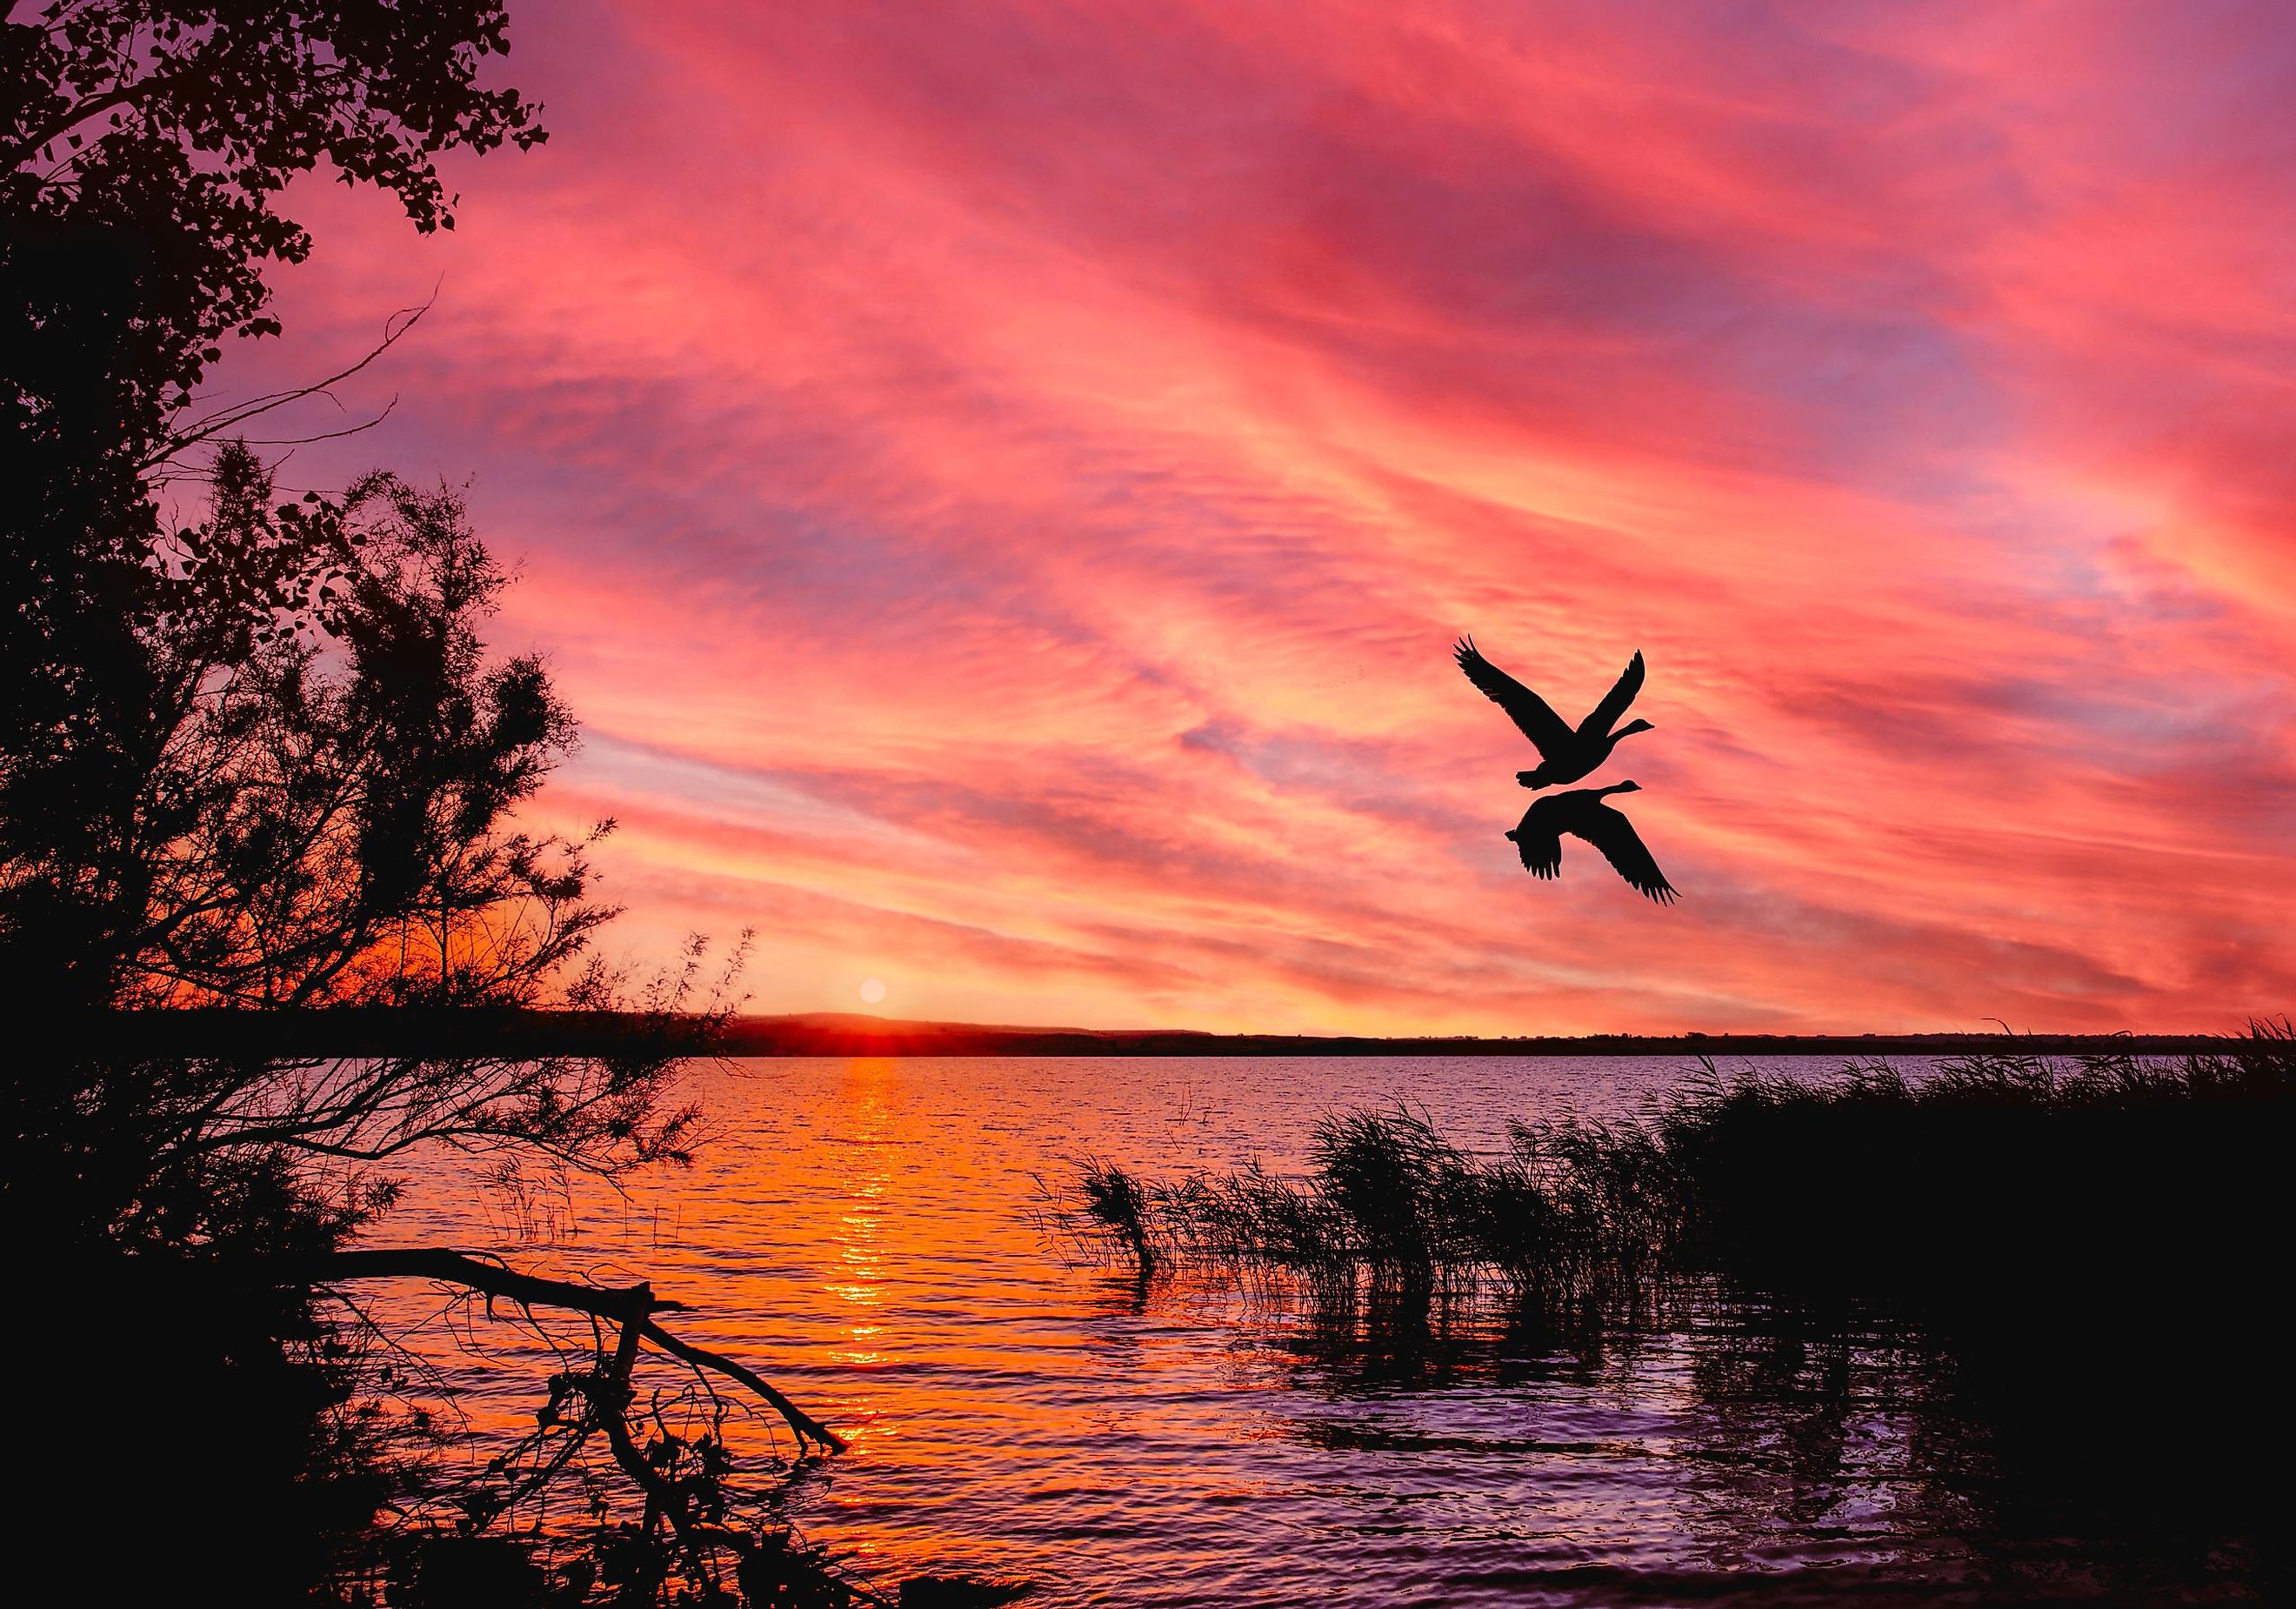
(1581, 813)
(1564, 755)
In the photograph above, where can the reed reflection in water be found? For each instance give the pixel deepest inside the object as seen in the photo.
(870, 1234)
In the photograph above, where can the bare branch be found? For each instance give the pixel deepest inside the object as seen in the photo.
(799, 1421)
(628, 1305)
(225, 420)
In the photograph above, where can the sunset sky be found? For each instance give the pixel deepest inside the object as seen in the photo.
(998, 484)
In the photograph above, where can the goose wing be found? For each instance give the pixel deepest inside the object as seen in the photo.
(1543, 728)
(1615, 702)
(1615, 836)
(1538, 842)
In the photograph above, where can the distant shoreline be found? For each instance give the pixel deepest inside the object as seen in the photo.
(420, 1032)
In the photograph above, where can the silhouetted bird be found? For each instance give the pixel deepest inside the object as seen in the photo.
(1581, 813)
(1564, 755)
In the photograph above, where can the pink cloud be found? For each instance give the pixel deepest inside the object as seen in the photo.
(998, 483)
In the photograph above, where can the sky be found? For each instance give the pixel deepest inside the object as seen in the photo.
(998, 483)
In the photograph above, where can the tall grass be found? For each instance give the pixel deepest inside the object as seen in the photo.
(1997, 1188)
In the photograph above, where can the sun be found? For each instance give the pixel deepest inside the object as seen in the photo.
(872, 991)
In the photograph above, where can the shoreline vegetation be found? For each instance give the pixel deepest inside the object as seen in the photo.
(2082, 1248)
(415, 1029)
(2000, 1183)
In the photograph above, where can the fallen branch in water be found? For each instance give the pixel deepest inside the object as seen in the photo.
(681, 1477)
(631, 1306)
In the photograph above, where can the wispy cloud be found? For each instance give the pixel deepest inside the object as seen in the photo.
(998, 482)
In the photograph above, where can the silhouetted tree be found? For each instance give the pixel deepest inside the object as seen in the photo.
(263, 760)
(322, 819)
(146, 143)
(317, 815)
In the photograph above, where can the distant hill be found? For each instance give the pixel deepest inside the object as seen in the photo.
(853, 1033)
(419, 1032)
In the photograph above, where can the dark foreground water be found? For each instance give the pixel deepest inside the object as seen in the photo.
(870, 1235)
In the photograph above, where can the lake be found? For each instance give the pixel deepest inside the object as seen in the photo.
(872, 1236)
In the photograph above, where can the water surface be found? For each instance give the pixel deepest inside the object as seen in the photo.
(870, 1235)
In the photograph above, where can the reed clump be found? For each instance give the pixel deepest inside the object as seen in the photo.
(1571, 1217)
(1997, 1191)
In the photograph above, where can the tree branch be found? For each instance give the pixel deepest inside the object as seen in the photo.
(224, 419)
(72, 117)
(802, 1423)
(620, 1304)
(626, 1305)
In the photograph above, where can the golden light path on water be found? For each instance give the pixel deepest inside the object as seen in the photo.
(870, 1235)
(856, 1241)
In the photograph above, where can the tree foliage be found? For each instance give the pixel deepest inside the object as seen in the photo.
(147, 145)
(328, 815)
(147, 142)
(311, 807)
(317, 809)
